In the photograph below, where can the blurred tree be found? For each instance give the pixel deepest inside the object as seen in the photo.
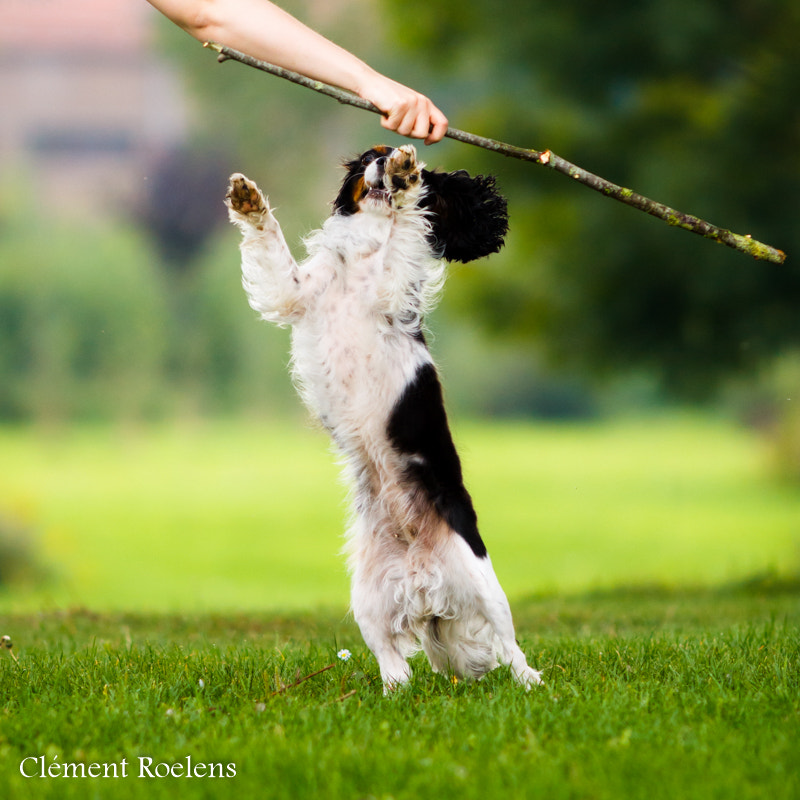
(81, 322)
(693, 103)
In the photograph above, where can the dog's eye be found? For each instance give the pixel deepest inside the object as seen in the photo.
(368, 158)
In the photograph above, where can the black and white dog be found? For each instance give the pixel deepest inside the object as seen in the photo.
(420, 571)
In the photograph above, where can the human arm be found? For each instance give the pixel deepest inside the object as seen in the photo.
(265, 31)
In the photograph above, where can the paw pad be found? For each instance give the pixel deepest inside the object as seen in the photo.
(244, 196)
(402, 168)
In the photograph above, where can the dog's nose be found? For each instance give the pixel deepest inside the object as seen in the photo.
(373, 174)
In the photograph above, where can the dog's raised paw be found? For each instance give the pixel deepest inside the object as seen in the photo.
(403, 162)
(402, 168)
(244, 197)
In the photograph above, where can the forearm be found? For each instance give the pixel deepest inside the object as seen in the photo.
(262, 30)
(265, 31)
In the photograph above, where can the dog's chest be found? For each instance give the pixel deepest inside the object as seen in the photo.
(352, 358)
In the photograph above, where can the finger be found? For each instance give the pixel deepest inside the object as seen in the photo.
(422, 125)
(409, 125)
(395, 117)
(438, 127)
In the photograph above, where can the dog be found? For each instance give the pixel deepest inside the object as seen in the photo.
(421, 575)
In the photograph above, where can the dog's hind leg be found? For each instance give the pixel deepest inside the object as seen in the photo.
(478, 633)
(269, 272)
(495, 608)
(395, 671)
(375, 588)
(386, 645)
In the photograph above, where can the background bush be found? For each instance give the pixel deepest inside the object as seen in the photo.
(83, 320)
(93, 326)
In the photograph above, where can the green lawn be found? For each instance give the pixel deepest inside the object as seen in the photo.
(205, 606)
(228, 516)
(658, 694)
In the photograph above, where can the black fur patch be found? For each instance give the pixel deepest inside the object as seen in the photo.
(469, 217)
(418, 426)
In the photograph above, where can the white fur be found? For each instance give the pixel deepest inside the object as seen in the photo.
(353, 305)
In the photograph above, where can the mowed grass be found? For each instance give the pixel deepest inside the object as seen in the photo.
(237, 516)
(648, 695)
(180, 544)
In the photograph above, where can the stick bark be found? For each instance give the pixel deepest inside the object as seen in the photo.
(744, 244)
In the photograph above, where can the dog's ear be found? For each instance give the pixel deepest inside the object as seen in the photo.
(346, 202)
(469, 217)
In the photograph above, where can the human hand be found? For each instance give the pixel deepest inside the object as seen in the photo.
(405, 111)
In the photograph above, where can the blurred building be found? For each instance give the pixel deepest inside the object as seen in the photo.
(85, 104)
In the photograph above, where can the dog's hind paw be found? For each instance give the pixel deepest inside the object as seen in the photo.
(245, 199)
(528, 677)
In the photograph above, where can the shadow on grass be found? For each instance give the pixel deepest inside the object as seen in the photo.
(634, 610)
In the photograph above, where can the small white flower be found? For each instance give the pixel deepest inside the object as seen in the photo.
(201, 683)
(344, 655)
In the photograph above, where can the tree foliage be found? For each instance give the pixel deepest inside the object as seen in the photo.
(691, 103)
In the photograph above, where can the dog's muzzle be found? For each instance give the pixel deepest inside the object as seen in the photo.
(374, 179)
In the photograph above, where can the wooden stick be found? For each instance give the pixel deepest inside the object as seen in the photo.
(744, 244)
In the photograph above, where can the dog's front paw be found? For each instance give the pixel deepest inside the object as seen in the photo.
(245, 200)
(402, 169)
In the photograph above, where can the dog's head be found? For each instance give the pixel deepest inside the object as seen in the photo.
(468, 216)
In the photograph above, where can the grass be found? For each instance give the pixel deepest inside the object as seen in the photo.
(659, 694)
(218, 517)
(201, 556)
